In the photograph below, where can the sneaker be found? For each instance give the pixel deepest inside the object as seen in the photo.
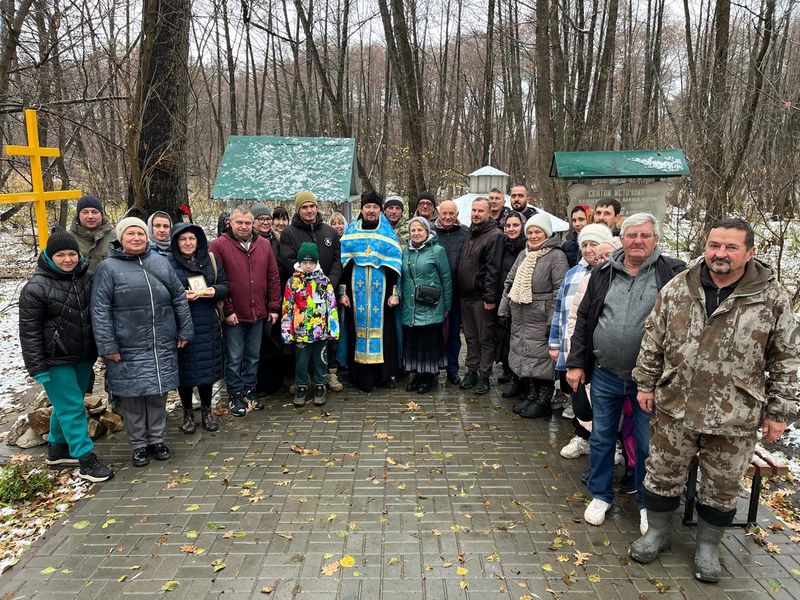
(253, 401)
(93, 469)
(595, 513)
(238, 405)
(159, 451)
(319, 395)
(576, 447)
(300, 395)
(568, 413)
(334, 384)
(58, 454)
(627, 483)
(141, 457)
(643, 521)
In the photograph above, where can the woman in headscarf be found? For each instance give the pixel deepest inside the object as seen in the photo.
(159, 226)
(513, 244)
(55, 332)
(200, 364)
(427, 291)
(141, 318)
(529, 299)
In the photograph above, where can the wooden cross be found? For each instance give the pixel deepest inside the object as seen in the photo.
(38, 196)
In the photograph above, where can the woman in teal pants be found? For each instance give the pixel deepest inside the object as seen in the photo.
(55, 332)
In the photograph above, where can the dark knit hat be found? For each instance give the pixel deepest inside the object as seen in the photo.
(372, 197)
(427, 196)
(308, 251)
(394, 201)
(259, 210)
(60, 239)
(89, 202)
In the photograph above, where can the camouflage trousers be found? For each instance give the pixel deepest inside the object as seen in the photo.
(723, 462)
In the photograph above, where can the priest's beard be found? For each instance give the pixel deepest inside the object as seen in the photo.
(365, 224)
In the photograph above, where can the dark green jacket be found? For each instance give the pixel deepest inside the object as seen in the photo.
(427, 265)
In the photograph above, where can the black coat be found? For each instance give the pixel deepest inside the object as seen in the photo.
(55, 322)
(202, 361)
(572, 250)
(511, 250)
(319, 233)
(479, 264)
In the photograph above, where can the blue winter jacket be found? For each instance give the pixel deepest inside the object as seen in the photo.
(139, 310)
(200, 362)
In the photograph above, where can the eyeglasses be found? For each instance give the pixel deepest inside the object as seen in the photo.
(633, 236)
(424, 203)
(264, 219)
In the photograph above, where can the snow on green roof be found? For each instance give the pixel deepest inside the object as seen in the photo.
(261, 167)
(619, 164)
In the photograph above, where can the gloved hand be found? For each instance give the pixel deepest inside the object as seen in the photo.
(42, 377)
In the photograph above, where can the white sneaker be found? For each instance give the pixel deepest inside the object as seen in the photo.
(643, 521)
(568, 413)
(595, 513)
(576, 447)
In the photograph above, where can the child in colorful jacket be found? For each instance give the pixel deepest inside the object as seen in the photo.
(309, 320)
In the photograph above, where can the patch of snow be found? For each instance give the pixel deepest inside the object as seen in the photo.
(14, 378)
(665, 165)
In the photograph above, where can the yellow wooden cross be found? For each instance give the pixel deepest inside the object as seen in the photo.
(38, 196)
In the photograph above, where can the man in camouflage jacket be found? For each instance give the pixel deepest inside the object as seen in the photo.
(718, 362)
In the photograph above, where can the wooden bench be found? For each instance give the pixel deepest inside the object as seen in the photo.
(763, 464)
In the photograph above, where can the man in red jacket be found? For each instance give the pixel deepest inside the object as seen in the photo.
(255, 294)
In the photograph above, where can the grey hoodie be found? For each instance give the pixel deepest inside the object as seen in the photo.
(627, 305)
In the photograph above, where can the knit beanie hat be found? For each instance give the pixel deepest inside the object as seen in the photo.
(302, 197)
(372, 197)
(308, 251)
(394, 201)
(422, 221)
(130, 222)
(60, 239)
(259, 210)
(542, 221)
(596, 232)
(89, 202)
(427, 196)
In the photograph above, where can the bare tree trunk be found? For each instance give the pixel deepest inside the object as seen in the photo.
(161, 107)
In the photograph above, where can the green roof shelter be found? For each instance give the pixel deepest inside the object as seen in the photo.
(263, 168)
(639, 175)
(624, 164)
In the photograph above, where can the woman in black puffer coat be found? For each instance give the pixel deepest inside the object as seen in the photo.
(55, 332)
(513, 244)
(200, 363)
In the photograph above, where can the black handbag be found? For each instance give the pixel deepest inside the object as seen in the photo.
(427, 295)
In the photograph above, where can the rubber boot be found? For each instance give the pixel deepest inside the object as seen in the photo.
(706, 552)
(189, 425)
(658, 537)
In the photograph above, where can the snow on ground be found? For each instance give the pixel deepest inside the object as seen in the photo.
(17, 262)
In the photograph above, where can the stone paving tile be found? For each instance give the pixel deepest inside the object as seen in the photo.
(406, 493)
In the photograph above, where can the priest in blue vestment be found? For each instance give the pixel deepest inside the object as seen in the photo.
(369, 293)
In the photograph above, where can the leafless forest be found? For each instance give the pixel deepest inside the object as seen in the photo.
(141, 96)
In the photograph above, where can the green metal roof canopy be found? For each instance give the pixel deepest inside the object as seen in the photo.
(621, 164)
(264, 168)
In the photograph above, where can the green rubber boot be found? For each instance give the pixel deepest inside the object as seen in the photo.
(658, 537)
(706, 552)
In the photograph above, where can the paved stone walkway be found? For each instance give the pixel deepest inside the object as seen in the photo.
(455, 498)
